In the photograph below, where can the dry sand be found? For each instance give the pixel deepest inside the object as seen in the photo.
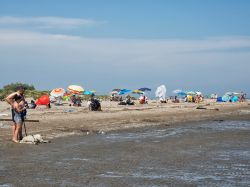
(65, 120)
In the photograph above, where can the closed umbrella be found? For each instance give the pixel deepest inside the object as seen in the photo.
(161, 92)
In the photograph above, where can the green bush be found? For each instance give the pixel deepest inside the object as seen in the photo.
(30, 90)
(12, 87)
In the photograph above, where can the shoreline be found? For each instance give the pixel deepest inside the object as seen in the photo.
(55, 123)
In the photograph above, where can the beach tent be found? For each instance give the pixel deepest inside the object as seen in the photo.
(43, 100)
(235, 99)
(161, 92)
(231, 97)
(75, 89)
(219, 99)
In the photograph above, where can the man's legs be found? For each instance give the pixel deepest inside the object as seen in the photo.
(13, 129)
(17, 131)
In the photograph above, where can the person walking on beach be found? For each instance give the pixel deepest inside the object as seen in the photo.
(11, 100)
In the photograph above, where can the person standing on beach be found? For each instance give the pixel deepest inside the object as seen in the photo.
(11, 100)
(19, 108)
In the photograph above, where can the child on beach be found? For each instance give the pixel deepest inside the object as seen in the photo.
(19, 108)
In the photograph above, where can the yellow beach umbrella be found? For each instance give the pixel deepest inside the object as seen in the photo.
(138, 92)
(75, 89)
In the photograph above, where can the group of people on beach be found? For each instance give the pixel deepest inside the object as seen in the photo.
(18, 106)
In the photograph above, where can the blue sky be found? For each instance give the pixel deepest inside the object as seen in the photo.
(189, 45)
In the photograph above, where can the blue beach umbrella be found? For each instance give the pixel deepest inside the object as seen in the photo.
(144, 89)
(124, 91)
(87, 92)
(179, 92)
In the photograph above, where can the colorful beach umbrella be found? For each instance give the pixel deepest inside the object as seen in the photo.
(75, 89)
(138, 92)
(179, 92)
(124, 91)
(57, 92)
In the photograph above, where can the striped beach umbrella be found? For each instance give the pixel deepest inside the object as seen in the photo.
(138, 92)
(75, 89)
(57, 92)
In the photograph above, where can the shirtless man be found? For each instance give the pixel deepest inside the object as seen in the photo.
(11, 99)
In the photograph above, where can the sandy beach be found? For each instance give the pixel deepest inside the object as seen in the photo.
(143, 145)
(65, 120)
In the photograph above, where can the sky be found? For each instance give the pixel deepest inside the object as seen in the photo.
(199, 45)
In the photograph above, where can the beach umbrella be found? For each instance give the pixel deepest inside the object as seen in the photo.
(116, 90)
(229, 93)
(161, 92)
(124, 91)
(144, 89)
(190, 93)
(137, 92)
(75, 89)
(179, 92)
(57, 92)
(237, 94)
(198, 93)
(89, 92)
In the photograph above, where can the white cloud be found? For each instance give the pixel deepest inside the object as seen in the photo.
(46, 22)
(113, 50)
(203, 63)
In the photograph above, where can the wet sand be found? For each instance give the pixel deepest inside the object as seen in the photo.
(211, 153)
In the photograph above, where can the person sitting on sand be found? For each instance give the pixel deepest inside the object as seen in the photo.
(32, 104)
(176, 100)
(19, 108)
(143, 99)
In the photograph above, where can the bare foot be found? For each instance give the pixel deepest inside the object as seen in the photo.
(16, 141)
